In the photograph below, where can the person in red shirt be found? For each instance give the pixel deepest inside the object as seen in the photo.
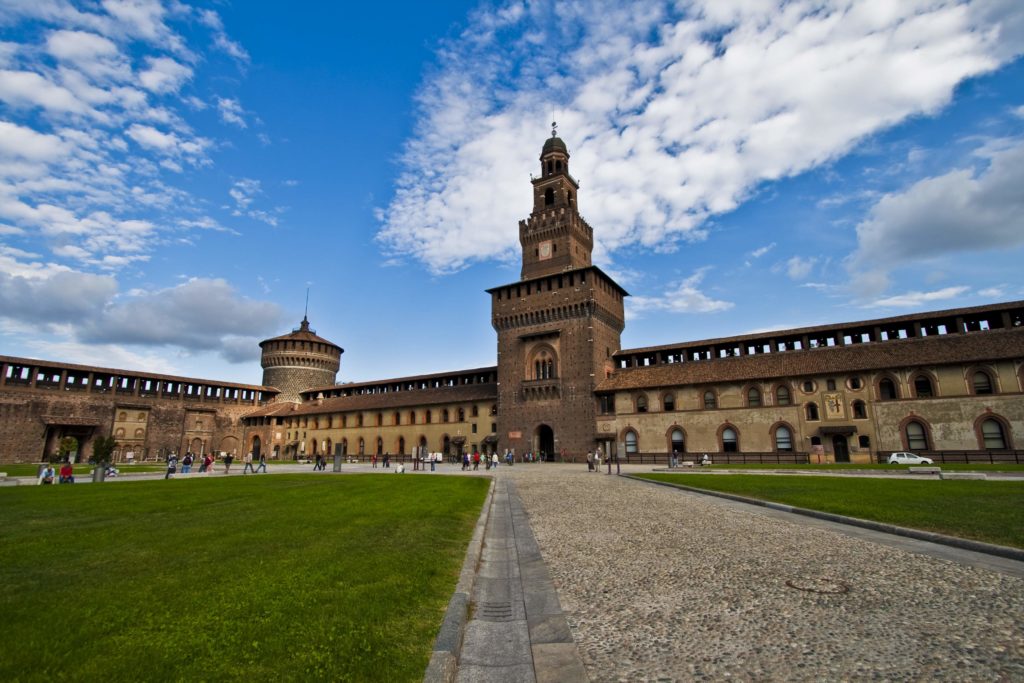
(67, 474)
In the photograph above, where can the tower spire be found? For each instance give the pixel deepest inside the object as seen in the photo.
(305, 314)
(554, 129)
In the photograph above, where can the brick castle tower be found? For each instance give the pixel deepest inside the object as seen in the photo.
(295, 362)
(558, 326)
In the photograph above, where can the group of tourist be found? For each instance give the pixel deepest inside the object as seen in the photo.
(206, 464)
(595, 458)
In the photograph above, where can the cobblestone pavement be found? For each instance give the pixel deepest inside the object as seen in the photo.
(663, 585)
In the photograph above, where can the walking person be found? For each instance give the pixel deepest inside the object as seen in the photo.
(228, 459)
(172, 465)
(248, 464)
(186, 463)
(263, 464)
(476, 460)
(373, 460)
(207, 464)
(590, 461)
(494, 460)
(433, 460)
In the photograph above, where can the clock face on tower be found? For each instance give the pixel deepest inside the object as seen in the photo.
(545, 250)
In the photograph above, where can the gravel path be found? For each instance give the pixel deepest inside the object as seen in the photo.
(660, 585)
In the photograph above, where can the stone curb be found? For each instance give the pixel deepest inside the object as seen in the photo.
(444, 660)
(961, 543)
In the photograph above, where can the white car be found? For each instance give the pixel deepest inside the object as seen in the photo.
(908, 459)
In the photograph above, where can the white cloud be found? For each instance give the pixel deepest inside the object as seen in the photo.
(798, 268)
(164, 75)
(915, 299)
(672, 116)
(29, 89)
(961, 211)
(244, 191)
(19, 141)
(231, 111)
(683, 297)
(197, 315)
(993, 292)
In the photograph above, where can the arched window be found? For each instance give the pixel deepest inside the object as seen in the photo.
(362, 446)
(401, 445)
(444, 415)
(428, 417)
(783, 439)
(993, 435)
(631, 443)
(141, 417)
(753, 397)
(710, 400)
(678, 441)
(121, 417)
(782, 396)
(730, 442)
(462, 415)
(981, 383)
(887, 390)
(549, 197)
(641, 404)
(860, 410)
(396, 418)
(380, 419)
(359, 420)
(812, 411)
(380, 445)
(119, 432)
(544, 364)
(917, 437)
(668, 402)
(923, 387)
(139, 433)
(412, 417)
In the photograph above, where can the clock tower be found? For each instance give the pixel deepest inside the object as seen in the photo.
(555, 237)
(558, 326)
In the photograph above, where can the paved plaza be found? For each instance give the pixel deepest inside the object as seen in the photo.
(661, 584)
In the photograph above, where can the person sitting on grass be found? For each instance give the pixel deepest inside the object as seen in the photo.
(46, 476)
(67, 474)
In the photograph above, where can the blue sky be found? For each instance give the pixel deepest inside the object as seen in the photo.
(174, 175)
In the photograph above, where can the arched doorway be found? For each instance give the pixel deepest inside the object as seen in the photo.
(841, 448)
(256, 446)
(677, 441)
(544, 438)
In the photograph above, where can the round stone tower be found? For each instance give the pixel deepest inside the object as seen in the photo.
(296, 362)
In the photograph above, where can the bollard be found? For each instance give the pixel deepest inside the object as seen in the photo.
(337, 462)
(99, 473)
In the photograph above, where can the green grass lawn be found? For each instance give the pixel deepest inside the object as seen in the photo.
(950, 466)
(83, 470)
(991, 511)
(289, 577)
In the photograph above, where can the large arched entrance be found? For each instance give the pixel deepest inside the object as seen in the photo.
(256, 446)
(544, 440)
(840, 448)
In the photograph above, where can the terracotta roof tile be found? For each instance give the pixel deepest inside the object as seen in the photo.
(974, 347)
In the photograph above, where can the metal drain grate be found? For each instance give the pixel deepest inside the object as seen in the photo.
(810, 584)
(495, 611)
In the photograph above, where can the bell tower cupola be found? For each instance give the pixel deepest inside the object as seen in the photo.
(555, 237)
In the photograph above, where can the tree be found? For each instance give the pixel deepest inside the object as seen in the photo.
(102, 448)
(65, 448)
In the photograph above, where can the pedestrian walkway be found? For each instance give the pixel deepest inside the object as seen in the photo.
(516, 629)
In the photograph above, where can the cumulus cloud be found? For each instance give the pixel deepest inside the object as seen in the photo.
(673, 114)
(231, 112)
(195, 315)
(682, 297)
(917, 299)
(93, 126)
(967, 209)
(164, 75)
